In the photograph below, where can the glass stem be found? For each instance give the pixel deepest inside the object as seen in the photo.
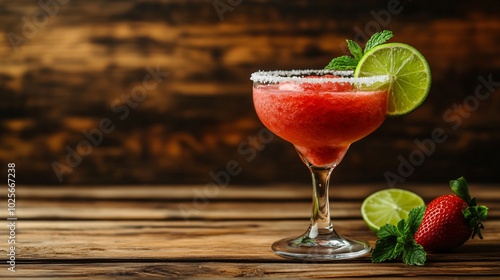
(320, 219)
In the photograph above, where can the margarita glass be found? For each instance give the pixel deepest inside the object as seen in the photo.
(321, 112)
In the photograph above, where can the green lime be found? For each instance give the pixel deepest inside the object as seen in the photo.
(388, 206)
(409, 71)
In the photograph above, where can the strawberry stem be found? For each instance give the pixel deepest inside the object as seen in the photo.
(474, 215)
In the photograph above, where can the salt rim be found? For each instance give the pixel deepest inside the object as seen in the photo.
(297, 76)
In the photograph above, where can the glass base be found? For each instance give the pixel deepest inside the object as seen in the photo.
(326, 247)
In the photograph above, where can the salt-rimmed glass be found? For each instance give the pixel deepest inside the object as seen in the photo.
(321, 113)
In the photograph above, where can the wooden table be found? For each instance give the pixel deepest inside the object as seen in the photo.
(200, 231)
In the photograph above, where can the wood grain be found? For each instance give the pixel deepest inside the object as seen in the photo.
(185, 204)
(78, 66)
(197, 240)
(223, 270)
(115, 231)
(272, 192)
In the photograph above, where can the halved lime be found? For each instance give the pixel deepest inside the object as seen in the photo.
(409, 71)
(388, 206)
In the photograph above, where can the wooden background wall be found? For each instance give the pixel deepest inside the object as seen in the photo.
(73, 66)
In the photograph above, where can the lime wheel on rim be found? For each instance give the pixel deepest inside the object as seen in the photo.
(409, 71)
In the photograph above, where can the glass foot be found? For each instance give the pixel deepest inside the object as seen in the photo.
(321, 248)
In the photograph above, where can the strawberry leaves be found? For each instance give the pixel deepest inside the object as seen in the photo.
(459, 187)
(397, 241)
(474, 214)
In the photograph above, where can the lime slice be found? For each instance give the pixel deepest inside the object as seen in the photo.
(388, 206)
(409, 71)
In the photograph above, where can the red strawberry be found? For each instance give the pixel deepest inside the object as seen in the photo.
(443, 226)
(450, 220)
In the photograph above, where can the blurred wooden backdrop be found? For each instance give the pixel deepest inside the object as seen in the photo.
(70, 70)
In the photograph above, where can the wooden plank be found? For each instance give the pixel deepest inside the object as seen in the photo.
(185, 203)
(236, 192)
(114, 231)
(222, 270)
(215, 210)
(181, 210)
(241, 241)
(197, 202)
(174, 240)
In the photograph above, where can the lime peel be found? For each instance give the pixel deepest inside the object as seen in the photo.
(388, 206)
(409, 71)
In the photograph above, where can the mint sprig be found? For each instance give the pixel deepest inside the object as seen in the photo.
(346, 62)
(397, 241)
(377, 39)
(355, 49)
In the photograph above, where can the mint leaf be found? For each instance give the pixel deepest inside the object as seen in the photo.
(377, 39)
(342, 63)
(384, 249)
(355, 50)
(414, 219)
(398, 250)
(414, 254)
(349, 63)
(398, 240)
(401, 226)
(387, 230)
